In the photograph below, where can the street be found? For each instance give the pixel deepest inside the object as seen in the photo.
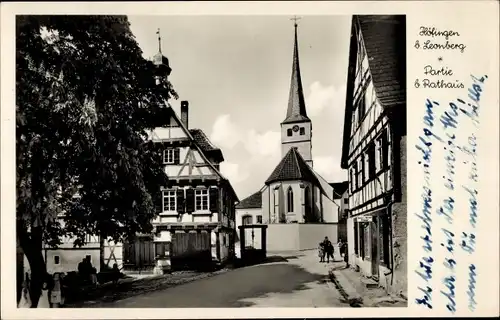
(296, 281)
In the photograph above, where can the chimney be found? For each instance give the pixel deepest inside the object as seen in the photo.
(185, 113)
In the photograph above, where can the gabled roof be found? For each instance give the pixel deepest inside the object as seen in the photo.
(339, 188)
(253, 201)
(171, 111)
(206, 145)
(384, 39)
(296, 111)
(292, 167)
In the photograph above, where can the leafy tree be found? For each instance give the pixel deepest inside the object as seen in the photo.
(85, 97)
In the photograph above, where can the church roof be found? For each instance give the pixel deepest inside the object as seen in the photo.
(293, 167)
(296, 111)
(253, 201)
(339, 188)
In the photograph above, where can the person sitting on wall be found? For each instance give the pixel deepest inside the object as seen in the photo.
(82, 270)
(115, 274)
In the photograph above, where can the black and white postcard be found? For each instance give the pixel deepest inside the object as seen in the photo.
(301, 159)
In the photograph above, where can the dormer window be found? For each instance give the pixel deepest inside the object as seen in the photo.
(289, 132)
(302, 131)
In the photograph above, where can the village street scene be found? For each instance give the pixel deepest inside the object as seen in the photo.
(170, 162)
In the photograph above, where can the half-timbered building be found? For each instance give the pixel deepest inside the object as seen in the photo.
(196, 210)
(374, 149)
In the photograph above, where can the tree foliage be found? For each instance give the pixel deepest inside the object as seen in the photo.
(85, 97)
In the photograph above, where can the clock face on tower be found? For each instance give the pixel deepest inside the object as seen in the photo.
(295, 128)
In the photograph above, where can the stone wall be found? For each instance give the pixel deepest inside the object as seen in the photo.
(299, 236)
(70, 258)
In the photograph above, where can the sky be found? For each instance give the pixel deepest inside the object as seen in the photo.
(235, 72)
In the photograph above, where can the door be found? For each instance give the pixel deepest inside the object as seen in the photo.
(139, 254)
(190, 249)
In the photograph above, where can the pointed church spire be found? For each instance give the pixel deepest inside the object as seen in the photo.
(296, 106)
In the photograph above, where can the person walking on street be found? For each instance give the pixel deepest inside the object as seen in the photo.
(328, 249)
(321, 252)
(341, 248)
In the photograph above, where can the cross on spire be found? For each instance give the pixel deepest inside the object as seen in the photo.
(159, 40)
(295, 19)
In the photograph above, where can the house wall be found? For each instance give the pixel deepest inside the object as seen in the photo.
(266, 213)
(253, 212)
(399, 230)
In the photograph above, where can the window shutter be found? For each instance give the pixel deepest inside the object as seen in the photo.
(159, 202)
(176, 156)
(385, 149)
(180, 200)
(189, 200)
(213, 199)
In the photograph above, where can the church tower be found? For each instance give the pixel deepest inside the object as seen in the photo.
(296, 129)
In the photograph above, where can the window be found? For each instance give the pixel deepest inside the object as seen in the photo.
(90, 238)
(201, 199)
(346, 200)
(352, 178)
(379, 153)
(168, 156)
(259, 219)
(302, 131)
(57, 260)
(361, 106)
(363, 164)
(290, 200)
(356, 173)
(371, 161)
(246, 219)
(289, 132)
(224, 240)
(161, 248)
(359, 172)
(169, 200)
(382, 148)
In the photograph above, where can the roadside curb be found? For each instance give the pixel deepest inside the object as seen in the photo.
(345, 289)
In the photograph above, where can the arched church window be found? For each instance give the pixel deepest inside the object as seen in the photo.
(307, 203)
(290, 199)
(302, 131)
(289, 132)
